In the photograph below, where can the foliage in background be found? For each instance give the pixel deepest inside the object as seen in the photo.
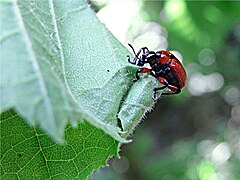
(194, 25)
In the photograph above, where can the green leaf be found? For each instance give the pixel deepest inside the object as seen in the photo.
(59, 65)
(137, 103)
(27, 153)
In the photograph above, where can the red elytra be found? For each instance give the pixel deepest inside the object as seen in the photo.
(175, 65)
(164, 66)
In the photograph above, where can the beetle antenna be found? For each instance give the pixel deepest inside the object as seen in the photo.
(132, 49)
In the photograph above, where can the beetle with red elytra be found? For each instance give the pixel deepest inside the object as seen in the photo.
(165, 67)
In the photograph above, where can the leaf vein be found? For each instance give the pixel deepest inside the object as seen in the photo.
(36, 66)
(60, 49)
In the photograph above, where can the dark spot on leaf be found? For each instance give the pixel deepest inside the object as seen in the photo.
(108, 70)
(19, 155)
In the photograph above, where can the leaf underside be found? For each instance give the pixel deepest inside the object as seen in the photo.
(55, 65)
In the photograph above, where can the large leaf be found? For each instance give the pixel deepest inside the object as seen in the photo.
(27, 153)
(58, 63)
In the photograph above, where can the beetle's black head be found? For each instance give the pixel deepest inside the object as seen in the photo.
(151, 58)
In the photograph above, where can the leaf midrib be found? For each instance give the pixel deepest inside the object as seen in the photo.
(35, 64)
(59, 44)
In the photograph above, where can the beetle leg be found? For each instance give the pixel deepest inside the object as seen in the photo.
(141, 70)
(157, 89)
(171, 93)
(174, 89)
(165, 83)
(162, 80)
(154, 75)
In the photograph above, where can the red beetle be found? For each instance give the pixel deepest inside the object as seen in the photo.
(165, 67)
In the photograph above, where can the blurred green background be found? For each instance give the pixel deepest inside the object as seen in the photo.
(194, 135)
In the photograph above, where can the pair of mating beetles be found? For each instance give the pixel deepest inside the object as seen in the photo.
(165, 67)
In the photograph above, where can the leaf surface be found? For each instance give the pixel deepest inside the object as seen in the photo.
(138, 102)
(27, 153)
(60, 65)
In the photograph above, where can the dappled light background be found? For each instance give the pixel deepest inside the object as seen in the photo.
(194, 135)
